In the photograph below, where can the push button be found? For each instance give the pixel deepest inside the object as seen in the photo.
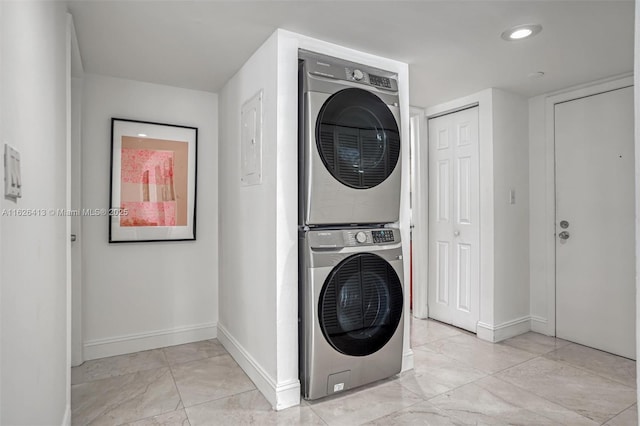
(383, 236)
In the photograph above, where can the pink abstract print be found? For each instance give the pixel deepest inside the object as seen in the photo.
(147, 187)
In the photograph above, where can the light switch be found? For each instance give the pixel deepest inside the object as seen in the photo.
(12, 176)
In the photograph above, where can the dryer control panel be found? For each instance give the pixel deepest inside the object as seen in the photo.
(339, 69)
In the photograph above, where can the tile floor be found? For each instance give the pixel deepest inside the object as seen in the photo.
(458, 380)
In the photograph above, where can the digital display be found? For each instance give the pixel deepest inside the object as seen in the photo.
(376, 80)
(385, 236)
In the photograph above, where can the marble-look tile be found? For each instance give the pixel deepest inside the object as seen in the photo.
(491, 402)
(423, 385)
(435, 373)
(613, 367)
(423, 413)
(173, 418)
(525, 399)
(535, 343)
(123, 399)
(194, 351)
(426, 330)
(361, 406)
(249, 408)
(588, 394)
(485, 356)
(119, 365)
(628, 417)
(209, 379)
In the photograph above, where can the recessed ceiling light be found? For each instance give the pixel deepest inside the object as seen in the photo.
(520, 32)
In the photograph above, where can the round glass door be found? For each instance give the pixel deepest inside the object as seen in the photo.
(357, 138)
(360, 305)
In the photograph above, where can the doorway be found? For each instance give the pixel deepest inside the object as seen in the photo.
(595, 221)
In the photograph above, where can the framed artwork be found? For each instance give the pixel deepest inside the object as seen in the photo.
(153, 182)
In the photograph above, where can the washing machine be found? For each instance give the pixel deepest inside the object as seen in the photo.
(351, 308)
(349, 143)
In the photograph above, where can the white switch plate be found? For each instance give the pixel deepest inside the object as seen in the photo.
(12, 174)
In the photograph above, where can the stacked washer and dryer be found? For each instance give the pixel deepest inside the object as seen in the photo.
(350, 261)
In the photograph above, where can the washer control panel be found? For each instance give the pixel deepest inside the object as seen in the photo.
(339, 69)
(336, 239)
(367, 237)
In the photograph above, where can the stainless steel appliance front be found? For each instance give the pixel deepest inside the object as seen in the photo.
(351, 308)
(350, 164)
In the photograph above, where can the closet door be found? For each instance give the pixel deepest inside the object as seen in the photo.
(454, 230)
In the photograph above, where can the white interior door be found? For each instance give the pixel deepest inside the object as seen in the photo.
(595, 229)
(454, 232)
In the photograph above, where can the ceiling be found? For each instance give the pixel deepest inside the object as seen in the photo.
(453, 47)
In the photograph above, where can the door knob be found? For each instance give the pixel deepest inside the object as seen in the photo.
(564, 235)
(456, 233)
(564, 224)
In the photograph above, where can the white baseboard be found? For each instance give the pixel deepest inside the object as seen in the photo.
(540, 325)
(497, 333)
(66, 421)
(407, 361)
(280, 396)
(101, 348)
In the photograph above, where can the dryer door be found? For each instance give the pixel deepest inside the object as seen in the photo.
(360, 304)
(357, 138)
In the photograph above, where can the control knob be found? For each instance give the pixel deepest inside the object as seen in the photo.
(361, 237)
(358, 75)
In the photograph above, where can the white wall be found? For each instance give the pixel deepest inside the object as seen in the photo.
(33, 311)
(258, 224)
(75, 192)
(1, 138)
(140, 296)
(637, 155)
(538, 256)
(511, 221)
(248, 217)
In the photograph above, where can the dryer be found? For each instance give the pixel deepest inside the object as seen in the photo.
(349, 143)
(351, 308)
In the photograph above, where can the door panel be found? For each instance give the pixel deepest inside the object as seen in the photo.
(454, 270)
(595, 195)
(464, 191)
(443, 272)
(464, 277)
(443, 191)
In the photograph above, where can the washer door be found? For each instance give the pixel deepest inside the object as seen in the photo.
(357, 138)
(360, 305)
